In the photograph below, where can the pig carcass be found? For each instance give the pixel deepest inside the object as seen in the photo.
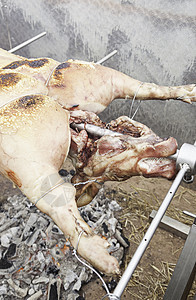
(35, 138)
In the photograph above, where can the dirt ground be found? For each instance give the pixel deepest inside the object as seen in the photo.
(138, 196)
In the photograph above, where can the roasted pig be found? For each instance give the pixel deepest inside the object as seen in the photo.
(35, 138)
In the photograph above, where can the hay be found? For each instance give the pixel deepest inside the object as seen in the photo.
(149, 283)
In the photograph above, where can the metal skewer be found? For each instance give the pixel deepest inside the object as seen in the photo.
(27, 42)
(149, 234)
(94, 130)
(106, 57)
(189, 214)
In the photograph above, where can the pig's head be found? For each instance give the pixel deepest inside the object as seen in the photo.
(138, 151)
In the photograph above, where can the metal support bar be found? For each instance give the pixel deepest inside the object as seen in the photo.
(106, 57)
(185, 270)
(149, 234)
(189, 214)
(178, 228)
(27, 42)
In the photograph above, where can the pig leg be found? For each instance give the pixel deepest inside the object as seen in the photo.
(34, 142)
(60, 205)
(92, 87)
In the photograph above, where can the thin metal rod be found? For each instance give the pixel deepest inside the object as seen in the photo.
(189, 214)
(150, 232)
(130, 111)
(27, 42)
(174, 156)
(94, 130)
(106, 57)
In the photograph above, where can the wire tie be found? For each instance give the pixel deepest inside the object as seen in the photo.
(51, 189)
(130, 111)
(76, 249)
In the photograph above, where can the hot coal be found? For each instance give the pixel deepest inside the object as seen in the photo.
(5, 264)
(53, 292)
(37, 261)
(52, 270)
(63, 172)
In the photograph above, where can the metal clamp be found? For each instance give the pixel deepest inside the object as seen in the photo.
(187, 154)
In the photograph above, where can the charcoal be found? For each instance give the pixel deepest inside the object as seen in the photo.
(63, 172)
(5, 264)
(36, 295)
(38, 256)
(53, 269)
(21, 292)
(3, 290)
(10, 251)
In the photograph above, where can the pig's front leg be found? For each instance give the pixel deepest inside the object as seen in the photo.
(60, 205)
(34, 142)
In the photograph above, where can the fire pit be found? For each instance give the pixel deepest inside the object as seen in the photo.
(37, 260)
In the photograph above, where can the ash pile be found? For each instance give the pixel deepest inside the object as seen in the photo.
(37, 261)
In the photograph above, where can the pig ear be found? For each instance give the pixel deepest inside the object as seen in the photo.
(166, 147)
(85, 192)
(162, 167)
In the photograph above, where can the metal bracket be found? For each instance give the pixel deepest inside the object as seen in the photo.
(185, 270)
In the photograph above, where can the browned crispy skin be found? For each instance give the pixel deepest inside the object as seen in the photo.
(14, 84)
(7, 58)
(92, 87)
(88, 86)
(38, 68)
(34, 141)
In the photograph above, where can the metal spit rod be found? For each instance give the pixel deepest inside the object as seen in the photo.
(189, 214)
(27, 42)
(106, 57)
(149, 234)
(94, 130)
